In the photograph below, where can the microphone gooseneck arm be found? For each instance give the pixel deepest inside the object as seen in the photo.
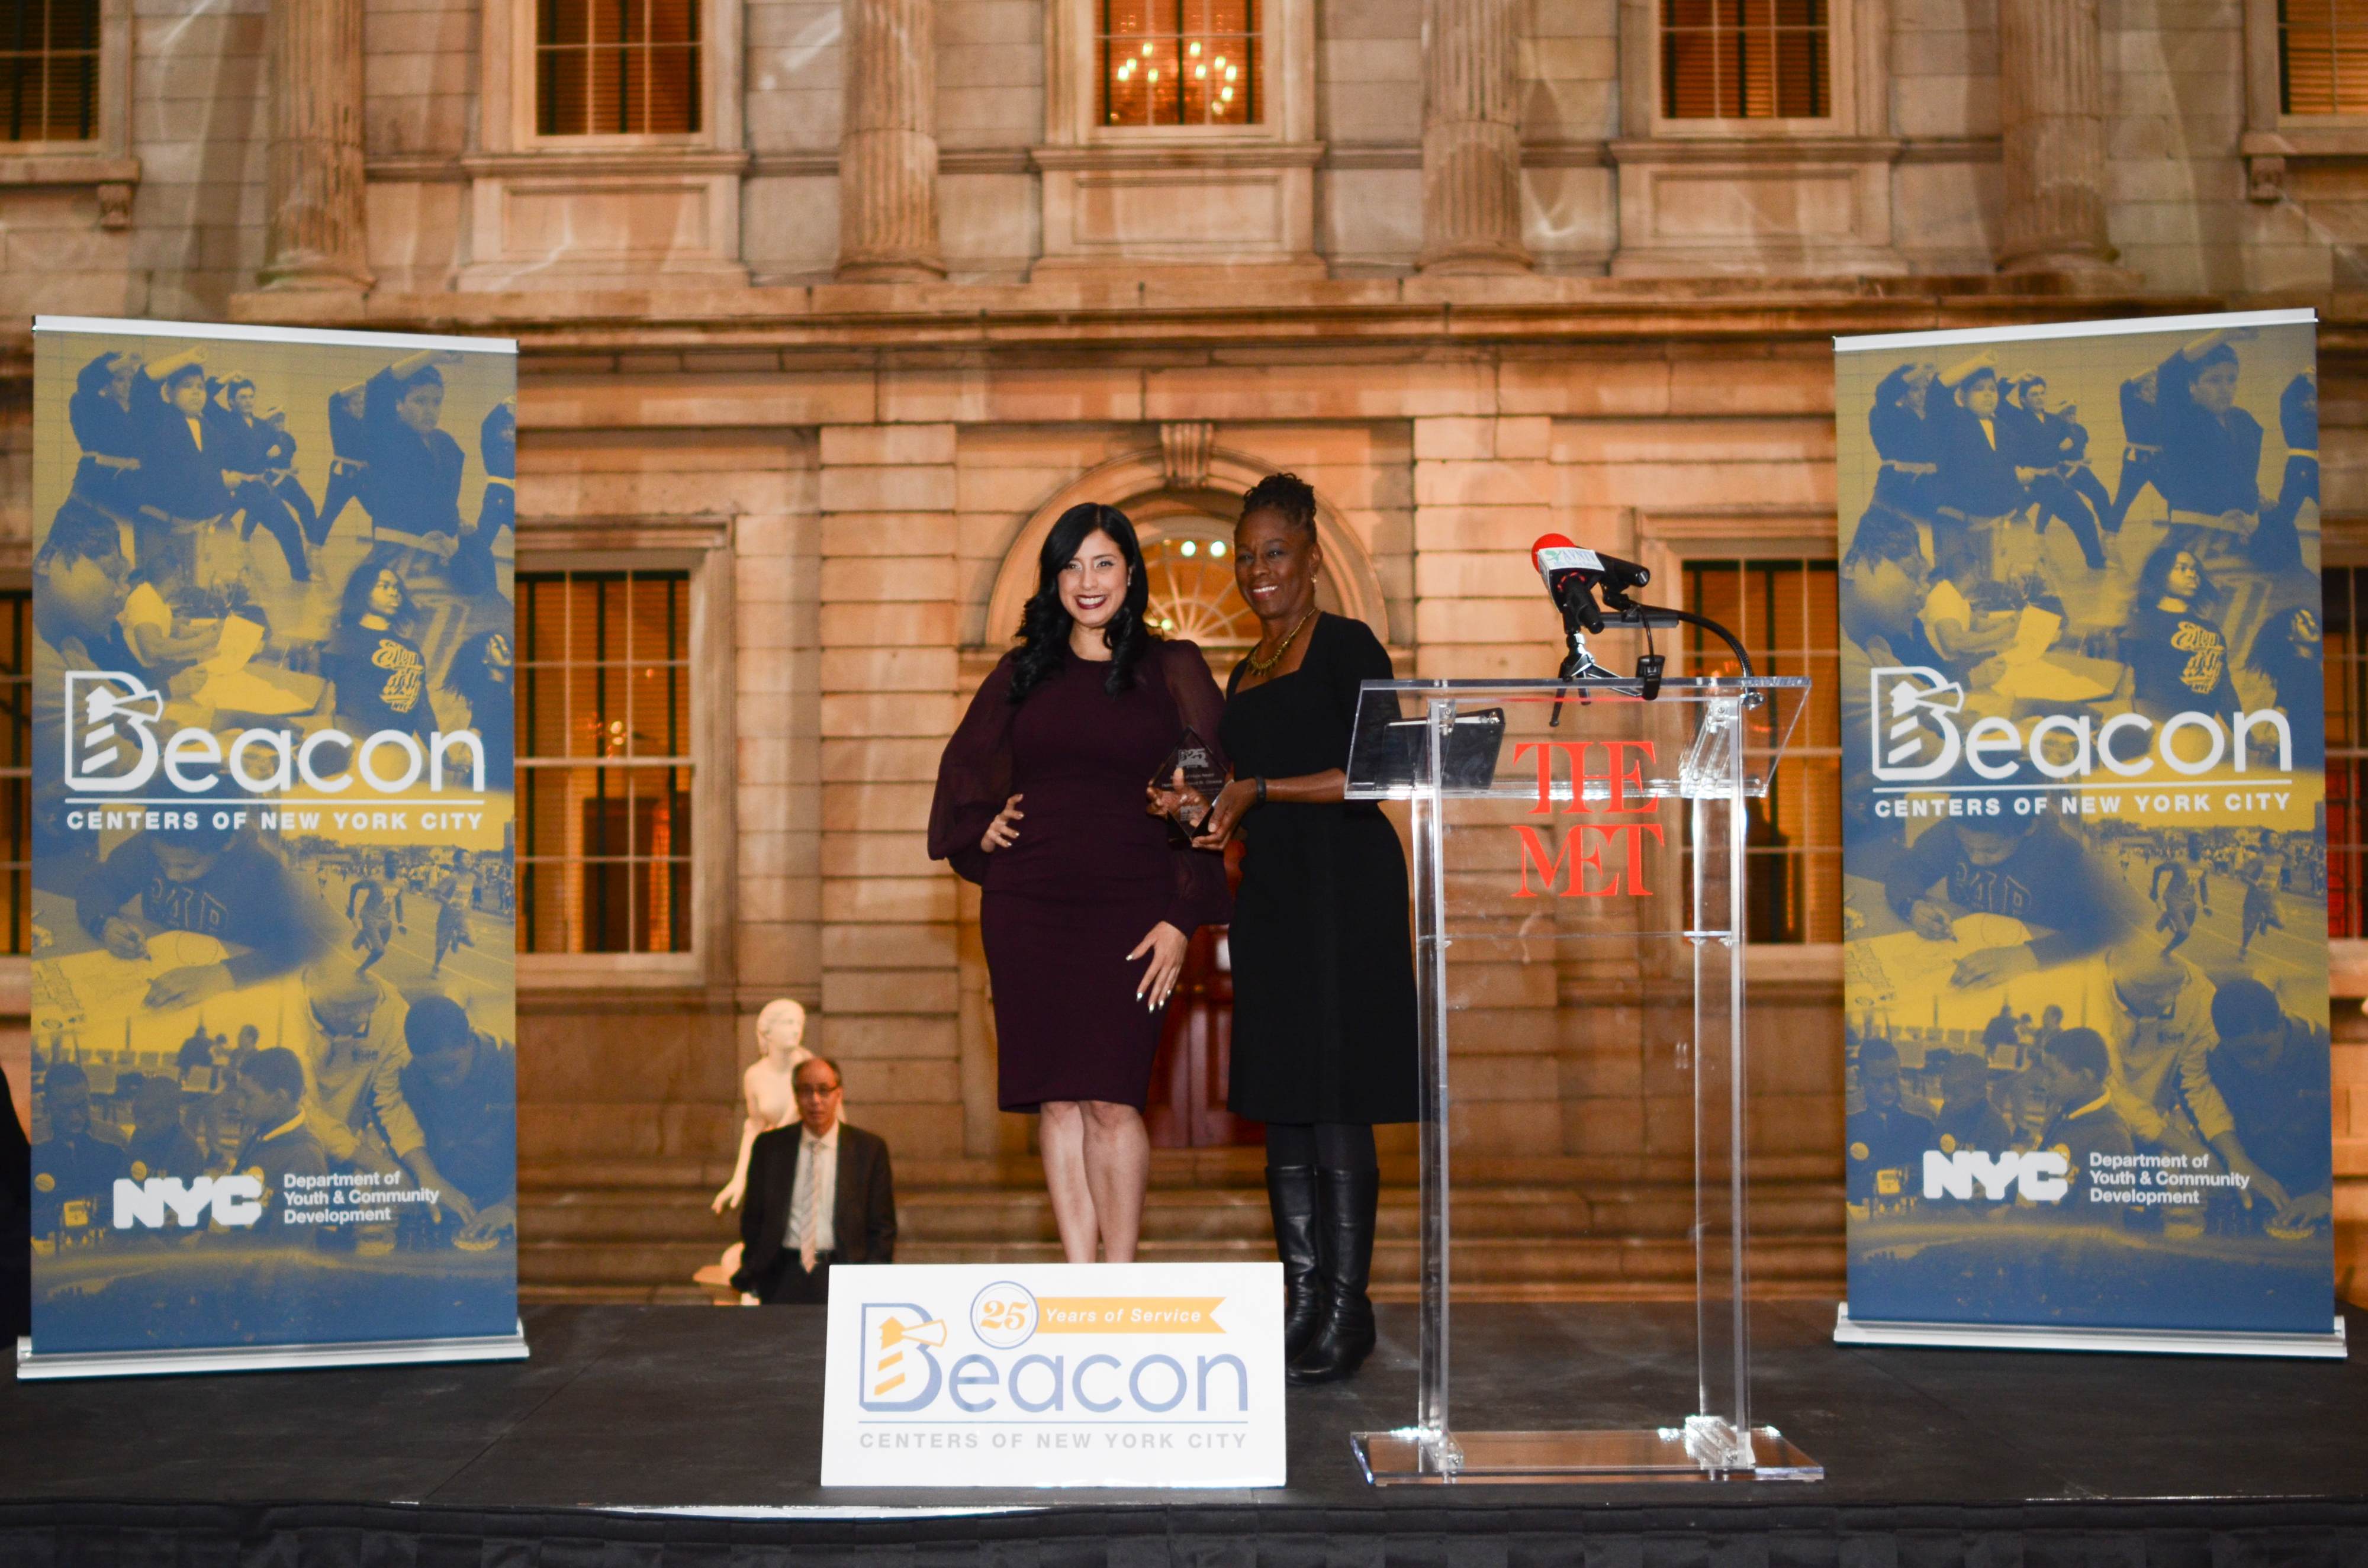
(1573, 577)
(1632, 614)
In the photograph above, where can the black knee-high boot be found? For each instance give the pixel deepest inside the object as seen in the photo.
(1291, 1197)
(1347, 1201)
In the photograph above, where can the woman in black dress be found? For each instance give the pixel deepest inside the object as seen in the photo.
(1324, 1004)
(1089, 905)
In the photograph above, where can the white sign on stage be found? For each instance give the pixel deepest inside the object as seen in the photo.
(1014, 1374)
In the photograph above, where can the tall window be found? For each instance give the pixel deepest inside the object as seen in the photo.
(1179, 62)
(2346, 651)
(16, 767)
(604, 762)
(1784, 612)
(616, 67)
(49, 69)
(1745, 59)
(2322, 57)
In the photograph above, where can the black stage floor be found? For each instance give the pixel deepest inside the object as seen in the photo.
(1935, 1459)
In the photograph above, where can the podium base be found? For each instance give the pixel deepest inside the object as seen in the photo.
(1411, 1458)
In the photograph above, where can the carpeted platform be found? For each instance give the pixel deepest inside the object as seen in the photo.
(1934, 1459)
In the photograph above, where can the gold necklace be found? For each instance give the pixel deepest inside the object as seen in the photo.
(1259, 666)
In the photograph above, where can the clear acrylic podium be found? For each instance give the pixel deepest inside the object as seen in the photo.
(1571, 842)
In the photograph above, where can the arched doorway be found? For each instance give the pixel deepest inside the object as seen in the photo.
(1185, 525)
(1187, 562)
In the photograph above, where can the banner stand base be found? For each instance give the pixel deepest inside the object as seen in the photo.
(2328, 1346)
(32, 1366)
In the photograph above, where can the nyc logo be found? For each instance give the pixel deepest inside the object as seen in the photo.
(236, 1200)
(2035, 1174)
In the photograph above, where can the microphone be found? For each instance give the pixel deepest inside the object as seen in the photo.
(1573, 574)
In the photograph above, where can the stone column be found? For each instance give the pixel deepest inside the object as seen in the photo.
(888, 150)
(2052, 96)
(1471, 140)
(316, 225)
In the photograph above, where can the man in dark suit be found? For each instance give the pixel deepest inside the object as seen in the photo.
(819, 1193)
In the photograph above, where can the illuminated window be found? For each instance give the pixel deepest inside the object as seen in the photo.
(2345, 872)
(1745, 59)
(1179, 62)
(1190, 575)
(17, 765)
(1784, 612)
(2322, 57)
(48, 70)
(604, 762)
(616, 67)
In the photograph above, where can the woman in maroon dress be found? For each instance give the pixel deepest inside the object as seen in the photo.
(1089, 904)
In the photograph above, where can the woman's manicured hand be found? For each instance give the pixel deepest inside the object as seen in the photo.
(1167, 947)
(1004, 829)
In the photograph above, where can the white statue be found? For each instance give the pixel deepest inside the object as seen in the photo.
(771, 1097)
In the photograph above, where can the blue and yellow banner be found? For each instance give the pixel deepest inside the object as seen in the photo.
(273, 1006)
(2086, 940)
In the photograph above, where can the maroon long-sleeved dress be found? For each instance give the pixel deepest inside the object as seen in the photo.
(1090, 874)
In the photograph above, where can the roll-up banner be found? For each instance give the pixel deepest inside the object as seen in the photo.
(273, 1004)
(2085, 837)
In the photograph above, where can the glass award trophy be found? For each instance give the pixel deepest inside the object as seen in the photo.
(1199, 765)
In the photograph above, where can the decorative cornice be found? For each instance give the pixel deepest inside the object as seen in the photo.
(696, 533)
(1726, 149)
(1193, 314)
(1373, 155)
(1952, 150)
(446, 169)
(432, 168)
(983, 161)
(607, 162)
(68, 168)
(1181, 156)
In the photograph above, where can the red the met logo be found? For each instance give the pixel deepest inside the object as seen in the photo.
(1585, 846)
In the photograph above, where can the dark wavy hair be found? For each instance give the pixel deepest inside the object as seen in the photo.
(355, 602)
(1290, 496)
(2154, 578)
(1045, 625)
(471, 678)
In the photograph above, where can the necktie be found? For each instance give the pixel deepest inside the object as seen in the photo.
(810, 1224)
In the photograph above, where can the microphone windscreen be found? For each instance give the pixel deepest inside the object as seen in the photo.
(1553, 553)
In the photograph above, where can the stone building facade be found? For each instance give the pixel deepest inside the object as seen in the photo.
(892, 287)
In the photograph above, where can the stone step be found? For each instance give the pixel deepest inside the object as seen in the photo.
(638, 1229)
(964, 1218)
(1197, 1169)
(644, 1271)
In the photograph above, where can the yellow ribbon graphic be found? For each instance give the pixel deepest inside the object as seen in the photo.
(1128, 1314)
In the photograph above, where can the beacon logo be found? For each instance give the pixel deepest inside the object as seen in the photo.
(899, 1365)
(111, 745)
(111, 749)
(1915, 727)
(1917, 739)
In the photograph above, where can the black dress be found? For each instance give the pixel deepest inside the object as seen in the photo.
(1324, 1004)
(1090, 873)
